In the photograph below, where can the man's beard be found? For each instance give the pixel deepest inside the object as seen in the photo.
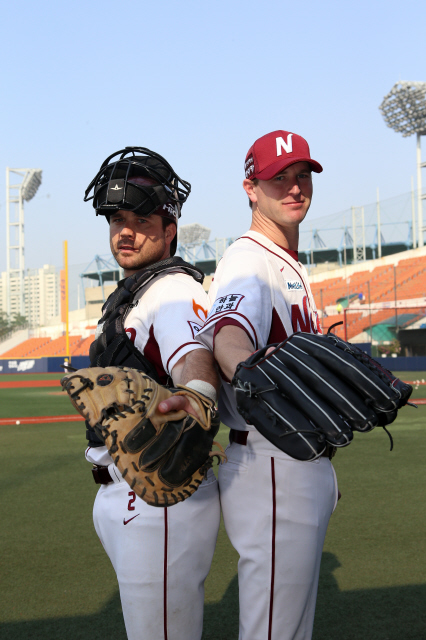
(142, 259)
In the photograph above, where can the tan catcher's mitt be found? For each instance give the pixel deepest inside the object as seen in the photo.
(163, 457)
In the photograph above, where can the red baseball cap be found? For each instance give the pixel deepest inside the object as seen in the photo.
(274, 152)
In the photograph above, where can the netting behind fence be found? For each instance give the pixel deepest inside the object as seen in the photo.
(396, 215)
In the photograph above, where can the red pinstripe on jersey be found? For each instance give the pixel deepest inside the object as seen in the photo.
(166, 536)
(274, 523)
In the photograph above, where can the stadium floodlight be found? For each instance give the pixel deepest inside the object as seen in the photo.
(404, 111)
(16, 194)
(404, 108)
(190, 233)
(30, 184)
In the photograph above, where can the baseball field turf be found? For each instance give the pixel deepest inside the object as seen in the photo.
(57, 583)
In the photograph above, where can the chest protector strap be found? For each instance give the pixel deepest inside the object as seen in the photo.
(114, 347)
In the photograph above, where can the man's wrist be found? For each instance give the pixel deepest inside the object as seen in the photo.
(203, 387)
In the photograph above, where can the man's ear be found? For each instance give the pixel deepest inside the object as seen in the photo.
(170, 232)
(248, 186)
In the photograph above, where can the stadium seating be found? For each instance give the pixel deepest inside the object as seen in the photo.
(46, 347)
(83, 348)
(58, 347)
(410, 282)
(28, 349)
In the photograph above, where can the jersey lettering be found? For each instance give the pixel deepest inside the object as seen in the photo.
(281, 144)
(304, 322)
(317, 320)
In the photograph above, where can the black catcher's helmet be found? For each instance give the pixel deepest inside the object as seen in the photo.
(138, 180)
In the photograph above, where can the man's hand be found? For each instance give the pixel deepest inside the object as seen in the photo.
(178, 403)
(123, 404)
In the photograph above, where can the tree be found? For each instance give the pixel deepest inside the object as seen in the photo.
(18, 322)
(4, 324)
(7, 325)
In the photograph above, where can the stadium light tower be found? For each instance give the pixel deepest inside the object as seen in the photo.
(189, 233)
(404, 110)
(16, 194)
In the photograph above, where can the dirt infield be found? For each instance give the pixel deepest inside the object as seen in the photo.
(41, 419)
(77, 418)
(16, 384)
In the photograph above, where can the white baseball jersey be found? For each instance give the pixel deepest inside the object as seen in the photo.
(263, 289)
(161, 555)
(163, 322)
(275, 509)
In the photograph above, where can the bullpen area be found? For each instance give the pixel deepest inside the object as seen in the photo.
(57, 581)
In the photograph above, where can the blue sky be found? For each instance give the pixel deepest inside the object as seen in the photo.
(198, 83)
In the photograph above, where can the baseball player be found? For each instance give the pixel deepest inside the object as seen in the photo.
(276, 509)
(161, 555)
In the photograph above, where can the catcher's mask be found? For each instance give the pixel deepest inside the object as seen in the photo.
(139, 180)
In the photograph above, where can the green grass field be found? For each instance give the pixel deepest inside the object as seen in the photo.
(57, 582)
(41, 401)
(5, 377)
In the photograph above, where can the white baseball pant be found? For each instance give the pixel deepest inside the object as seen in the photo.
(276, 511)
(161, 557)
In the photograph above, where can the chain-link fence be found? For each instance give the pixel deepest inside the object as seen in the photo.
(334, 237)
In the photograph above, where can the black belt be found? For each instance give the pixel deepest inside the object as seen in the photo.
(240, 437)
(101, 475)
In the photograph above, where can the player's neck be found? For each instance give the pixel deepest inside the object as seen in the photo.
(130, 272)
(285, 237)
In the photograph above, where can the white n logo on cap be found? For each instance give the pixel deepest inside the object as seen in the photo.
(287, 146)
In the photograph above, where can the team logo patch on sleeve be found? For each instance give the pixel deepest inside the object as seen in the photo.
(294, 285)
(195, 328)
(199, 311)
(226, 303)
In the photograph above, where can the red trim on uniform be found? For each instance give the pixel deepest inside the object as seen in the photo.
(166, 531)
(179, 348)
(152, 352)
(278, 256)
(132, 334)
(224, 322)
(277, 332)
(235, 313)
(274, 522)
(293, 254)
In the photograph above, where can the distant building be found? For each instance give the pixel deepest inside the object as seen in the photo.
(41, 295)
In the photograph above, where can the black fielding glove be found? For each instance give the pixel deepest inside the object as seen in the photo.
(315, 390)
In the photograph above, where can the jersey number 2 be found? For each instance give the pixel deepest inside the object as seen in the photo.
(132, 495)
